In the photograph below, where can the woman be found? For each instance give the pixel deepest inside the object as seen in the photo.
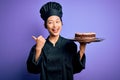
(55, 58)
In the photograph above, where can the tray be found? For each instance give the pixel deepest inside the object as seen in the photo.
(88, 40)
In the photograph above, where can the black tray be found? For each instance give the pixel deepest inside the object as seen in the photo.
(88, 40)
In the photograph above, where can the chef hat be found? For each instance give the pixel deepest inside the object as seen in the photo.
(49, 9)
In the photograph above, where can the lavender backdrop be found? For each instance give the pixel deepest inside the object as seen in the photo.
(19, 20)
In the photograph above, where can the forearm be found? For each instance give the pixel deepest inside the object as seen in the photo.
(38, 53)
(82, 50)
(32, 66)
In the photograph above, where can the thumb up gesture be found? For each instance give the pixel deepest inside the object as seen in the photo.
(40, 41)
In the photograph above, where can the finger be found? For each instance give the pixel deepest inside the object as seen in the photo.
(34, 37)
(83, 43)
(39, 37)
(89, 42)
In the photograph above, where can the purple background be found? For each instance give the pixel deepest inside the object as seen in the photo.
(19, 20)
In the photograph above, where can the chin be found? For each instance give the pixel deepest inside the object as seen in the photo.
(56, 34)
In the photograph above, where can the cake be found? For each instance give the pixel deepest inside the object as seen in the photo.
(85, 36)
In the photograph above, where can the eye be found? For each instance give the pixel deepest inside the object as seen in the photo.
(57, 21)
(50, 22)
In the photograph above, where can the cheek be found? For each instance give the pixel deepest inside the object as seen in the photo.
(49, 26)
(49, 29)
(60, 28)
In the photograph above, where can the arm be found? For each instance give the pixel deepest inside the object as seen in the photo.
(82, 50)
(79, 58)
(32, 65)
(35, 57)
(40, 41)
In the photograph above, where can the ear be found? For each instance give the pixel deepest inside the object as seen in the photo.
(61, 23)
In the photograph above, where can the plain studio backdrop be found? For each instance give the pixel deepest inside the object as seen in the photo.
(20, 19)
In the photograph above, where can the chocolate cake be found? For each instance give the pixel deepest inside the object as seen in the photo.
(84, 36)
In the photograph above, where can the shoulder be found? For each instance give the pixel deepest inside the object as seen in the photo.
(69, 45)
(68, 42)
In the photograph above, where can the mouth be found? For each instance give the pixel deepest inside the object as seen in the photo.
(55, 30)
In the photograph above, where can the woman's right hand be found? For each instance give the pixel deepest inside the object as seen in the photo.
(40, 41)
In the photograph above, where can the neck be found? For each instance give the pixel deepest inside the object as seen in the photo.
(53, 39)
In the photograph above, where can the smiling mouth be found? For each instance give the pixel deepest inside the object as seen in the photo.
(55, 30)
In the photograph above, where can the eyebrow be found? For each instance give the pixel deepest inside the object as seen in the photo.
(52, 20)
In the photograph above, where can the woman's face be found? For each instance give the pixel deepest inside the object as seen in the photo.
(54, 25)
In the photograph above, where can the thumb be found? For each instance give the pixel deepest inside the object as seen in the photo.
(34, 37)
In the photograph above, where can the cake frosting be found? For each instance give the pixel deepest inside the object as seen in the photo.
(87, 35)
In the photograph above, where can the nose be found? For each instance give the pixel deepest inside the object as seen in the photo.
(55, 24)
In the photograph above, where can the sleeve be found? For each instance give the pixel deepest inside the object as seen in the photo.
(78, 65)
(32, 66)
